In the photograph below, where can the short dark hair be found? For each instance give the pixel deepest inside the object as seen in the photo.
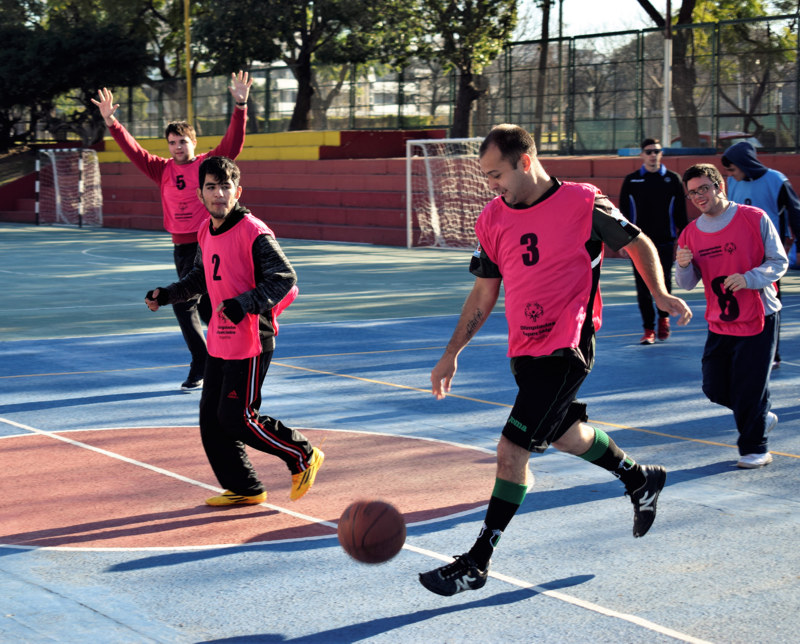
(512, 141)
(221, 168)
(650, 141)
(181, 128)
(703, 170)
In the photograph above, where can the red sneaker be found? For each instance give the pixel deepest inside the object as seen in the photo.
(663, 328)
(649, 337)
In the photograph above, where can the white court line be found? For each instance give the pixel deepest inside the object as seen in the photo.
(595, 608)
(92, 252)
(158, 470)
(574, 601)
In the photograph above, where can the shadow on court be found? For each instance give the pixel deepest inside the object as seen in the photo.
(372, 628)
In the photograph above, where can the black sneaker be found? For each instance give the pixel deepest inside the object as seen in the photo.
(192, 384)
(462, 574)
(645, 498)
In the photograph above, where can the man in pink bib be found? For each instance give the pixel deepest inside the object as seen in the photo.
(249, 281)
(543, 239)
(736, 250)
(183, 213)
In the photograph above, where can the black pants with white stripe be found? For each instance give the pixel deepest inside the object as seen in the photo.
(229, 420)
(190, 313)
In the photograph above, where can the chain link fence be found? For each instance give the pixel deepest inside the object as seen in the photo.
(731, 80)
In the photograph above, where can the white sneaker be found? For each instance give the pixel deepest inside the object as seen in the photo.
(754, 461)
(772, 420)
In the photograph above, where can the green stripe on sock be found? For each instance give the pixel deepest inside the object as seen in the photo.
(508, 491)
(598, 448)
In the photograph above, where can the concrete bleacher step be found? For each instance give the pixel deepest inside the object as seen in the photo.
(18, 216)
(341, 192)
(381, 217)
(359, 200)
(336, 186)
(136, 222)
(328, 232)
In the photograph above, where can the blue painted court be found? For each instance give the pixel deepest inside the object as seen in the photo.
(104, 535)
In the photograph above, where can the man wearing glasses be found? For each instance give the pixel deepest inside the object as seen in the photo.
(751, 182)
(737, 252)
(652, 198)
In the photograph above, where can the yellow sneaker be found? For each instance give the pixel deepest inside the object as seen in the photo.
(303, 481)
(231, 498)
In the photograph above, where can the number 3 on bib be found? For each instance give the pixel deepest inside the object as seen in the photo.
(531, 257)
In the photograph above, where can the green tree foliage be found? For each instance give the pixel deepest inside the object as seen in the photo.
(756, 53)
(466, 35)
(90, 50)
(60, 53)
(237, 33)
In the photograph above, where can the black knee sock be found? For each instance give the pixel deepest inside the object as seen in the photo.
(505, 501)
(606, 454)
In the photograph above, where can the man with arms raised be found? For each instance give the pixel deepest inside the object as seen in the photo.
(183, 213)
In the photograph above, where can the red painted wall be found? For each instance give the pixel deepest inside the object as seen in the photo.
(357, 200)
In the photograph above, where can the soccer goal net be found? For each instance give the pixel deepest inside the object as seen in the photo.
(445, 192)
(68, 188)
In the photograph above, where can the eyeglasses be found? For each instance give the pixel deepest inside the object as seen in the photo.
(700, 191)
(652, 151)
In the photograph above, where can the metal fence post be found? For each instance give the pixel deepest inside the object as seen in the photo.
(351, 117)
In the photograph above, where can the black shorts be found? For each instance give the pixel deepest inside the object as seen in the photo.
(545, 407)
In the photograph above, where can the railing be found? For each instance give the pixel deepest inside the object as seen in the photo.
(602, 92)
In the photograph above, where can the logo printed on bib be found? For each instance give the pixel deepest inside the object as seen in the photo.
(533, 311)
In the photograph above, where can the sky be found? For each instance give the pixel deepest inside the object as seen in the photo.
(597, 16)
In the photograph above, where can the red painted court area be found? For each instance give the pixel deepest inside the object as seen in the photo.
(145, 487)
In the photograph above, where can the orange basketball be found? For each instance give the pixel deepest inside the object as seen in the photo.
(371, 531)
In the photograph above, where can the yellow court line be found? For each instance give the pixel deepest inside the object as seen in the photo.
(384, 382)
(301, 357)
(497, 404)
(366, 353)
(406, 387)
(683, 438)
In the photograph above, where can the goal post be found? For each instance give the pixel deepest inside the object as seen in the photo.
(68, 189)
(445, 192)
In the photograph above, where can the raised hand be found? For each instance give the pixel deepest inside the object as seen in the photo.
(241, 86)
(106, 105)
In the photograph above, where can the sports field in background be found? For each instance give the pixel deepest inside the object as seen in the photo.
(104, 535)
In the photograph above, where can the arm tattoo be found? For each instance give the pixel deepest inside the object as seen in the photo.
(474, 324)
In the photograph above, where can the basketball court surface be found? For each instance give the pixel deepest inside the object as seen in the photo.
(104, 535)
